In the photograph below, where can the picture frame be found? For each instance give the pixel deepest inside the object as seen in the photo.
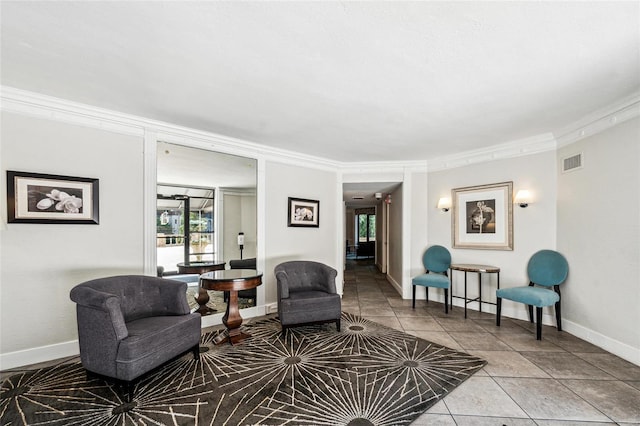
(45, 198)
(303, 213)
(483, 217)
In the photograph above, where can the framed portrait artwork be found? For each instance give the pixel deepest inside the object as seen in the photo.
(483, 217)
(304, 213)
(43, 198)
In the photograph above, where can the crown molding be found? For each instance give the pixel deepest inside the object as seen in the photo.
(600, 120)
(528, 146)
(51, 108)
(47, 107)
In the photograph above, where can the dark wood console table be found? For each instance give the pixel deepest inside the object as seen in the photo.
(479, 269)
(201, 268)
(232, 280)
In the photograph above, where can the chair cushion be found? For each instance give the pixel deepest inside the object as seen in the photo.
(309, 306)
(153, 340)
(529, 295)
(431, 280)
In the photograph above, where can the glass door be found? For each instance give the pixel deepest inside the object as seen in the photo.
(185, 226)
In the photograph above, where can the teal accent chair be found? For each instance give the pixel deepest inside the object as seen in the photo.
(547, 269)
(436, 261)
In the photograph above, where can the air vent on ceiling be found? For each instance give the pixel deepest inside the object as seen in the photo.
(572, 163)
(357, 197)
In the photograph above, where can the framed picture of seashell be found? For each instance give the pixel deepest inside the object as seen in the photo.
(43, 198)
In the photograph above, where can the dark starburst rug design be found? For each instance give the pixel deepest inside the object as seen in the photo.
(367, 374)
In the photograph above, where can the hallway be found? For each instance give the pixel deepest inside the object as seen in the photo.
(561, 380)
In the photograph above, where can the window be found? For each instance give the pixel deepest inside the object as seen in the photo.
(184, 226)
(366, 227)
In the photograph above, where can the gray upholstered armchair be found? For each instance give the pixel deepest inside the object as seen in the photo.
(130, 324)
(307, 293)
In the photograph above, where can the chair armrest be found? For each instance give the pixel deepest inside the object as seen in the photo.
(283, 284)
(330, 275)
(101, 301)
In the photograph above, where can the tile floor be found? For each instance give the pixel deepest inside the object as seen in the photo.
(559, 381)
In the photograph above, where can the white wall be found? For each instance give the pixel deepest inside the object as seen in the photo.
(421, 212)
(40, 262)
(599, 233)
(395, 265)
(285, 243)
(239, 215)
(534, 227)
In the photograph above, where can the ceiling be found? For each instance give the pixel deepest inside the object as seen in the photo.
(344, 81)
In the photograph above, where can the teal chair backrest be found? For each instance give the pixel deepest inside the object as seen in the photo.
(547, 268)
(436, 259)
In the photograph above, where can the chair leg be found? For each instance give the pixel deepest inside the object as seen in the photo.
(338, 324)
(530, 308)
(414, 297)
(558, 316)
(538, 323)
(446, 297)
(196, 352)
(498, 310)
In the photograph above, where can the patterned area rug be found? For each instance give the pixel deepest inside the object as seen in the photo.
(367, 374)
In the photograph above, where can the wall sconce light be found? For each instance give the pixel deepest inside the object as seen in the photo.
(444, 204)
(241, 242)
(523, 198)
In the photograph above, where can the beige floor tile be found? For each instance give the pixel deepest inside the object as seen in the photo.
(491, 421)
(616, 399)
(421, 323)
(633, 383)
(434, 420)
(481, 396)
(616, 366)
(549, 399)
(479, 341)
(439, 337)
(528, 342)
(391, 322)
(570, 423)
(566, 366)
(377, 311)
(457, 324)
(438, 408)
(509, 364)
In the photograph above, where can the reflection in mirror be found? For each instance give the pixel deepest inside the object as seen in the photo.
(205, 219)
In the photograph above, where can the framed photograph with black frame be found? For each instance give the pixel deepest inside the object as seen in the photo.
(43, 198)
(483, 217)
(303, 213)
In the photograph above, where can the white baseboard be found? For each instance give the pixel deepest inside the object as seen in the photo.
(620, 349)
(66, 349)
(39, 354)
(395, 284)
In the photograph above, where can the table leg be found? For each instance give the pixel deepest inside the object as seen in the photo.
(465, 294)
(203, 298)
(480, 291)
(451, 288)
(232, 320)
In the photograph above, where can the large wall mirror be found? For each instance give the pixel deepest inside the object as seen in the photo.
(206, 218)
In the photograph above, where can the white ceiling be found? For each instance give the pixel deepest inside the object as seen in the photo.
(346, 81)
